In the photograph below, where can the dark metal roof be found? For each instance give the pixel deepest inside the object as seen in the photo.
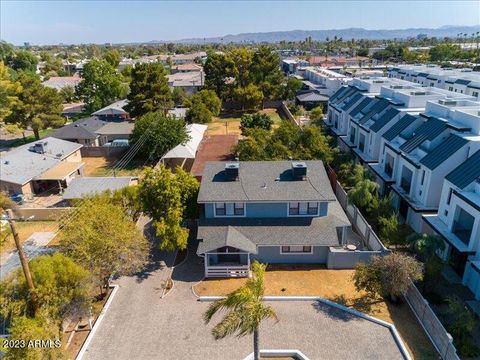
(399, 126)
(343, 96)
(423, 74)
(462, 82)
(377, 108)
(443, 151)
(338, 93)
(384, 119)
(427, 131)
(467, 172)
(353, 100)
(360, 106)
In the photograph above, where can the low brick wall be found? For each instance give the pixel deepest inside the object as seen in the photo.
(104, 151)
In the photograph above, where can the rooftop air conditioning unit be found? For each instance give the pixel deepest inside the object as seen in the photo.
(299, 170)
(231, 170)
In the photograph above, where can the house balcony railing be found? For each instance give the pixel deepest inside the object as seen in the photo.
(227, 270)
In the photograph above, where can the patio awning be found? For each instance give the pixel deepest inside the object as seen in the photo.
(233, 238)
(60, 171)
(188, 150)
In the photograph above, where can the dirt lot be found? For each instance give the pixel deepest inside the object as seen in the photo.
(336, 285)
(100, 166)
(229, 123)
(25, 230)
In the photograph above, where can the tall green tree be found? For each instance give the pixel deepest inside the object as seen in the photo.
(24, 60)
(101, 85)
(168, 199)
(245, 310)
(364, 195)
(250, 97)
(112, 57)
(157, 133)
(10, 89)
(103, 239)
(260, 121)
(61, 287)
(266, 74)
(149, 91)
(202, 106)
(38, 107)
(218, 68)
(291, 88)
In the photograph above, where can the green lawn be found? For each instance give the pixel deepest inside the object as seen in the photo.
(30, 138)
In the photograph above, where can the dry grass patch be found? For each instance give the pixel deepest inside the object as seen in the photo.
(224, 126)
(25, 230)
(335, 285)
(101, 166)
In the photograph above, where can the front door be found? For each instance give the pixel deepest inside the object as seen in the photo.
(458, 261)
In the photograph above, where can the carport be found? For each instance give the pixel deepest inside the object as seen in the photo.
(57, 178)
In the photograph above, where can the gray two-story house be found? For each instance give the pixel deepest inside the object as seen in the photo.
(271, 211)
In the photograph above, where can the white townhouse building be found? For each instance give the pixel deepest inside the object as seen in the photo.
(458, 221)
(464, 81)
(419, 151)
(327, 81)
(348, 99)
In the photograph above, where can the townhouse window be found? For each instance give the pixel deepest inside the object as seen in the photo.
(449, 198)
(475, 93)
(229, 209)
(302, 208)
(450, 88)
(423, 177)
(296, 249)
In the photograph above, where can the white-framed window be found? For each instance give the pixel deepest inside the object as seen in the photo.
(230, 209)
(303, 208)
(296, 249)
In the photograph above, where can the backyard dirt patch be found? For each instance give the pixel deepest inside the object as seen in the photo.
(335, 285)
(25, 230)
(101, 166)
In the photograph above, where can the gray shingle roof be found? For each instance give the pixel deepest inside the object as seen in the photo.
(384, 119)
(399, 126)
(466, 173)
(427, 131)
(20, 165)
(315, 231)
(80, 129)
(116, 128)
(311, 97)
(443, 151)
(84, 186)
(113, 109)
(265, 181)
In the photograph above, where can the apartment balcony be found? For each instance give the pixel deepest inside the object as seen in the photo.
(463, 232)
(442, 229)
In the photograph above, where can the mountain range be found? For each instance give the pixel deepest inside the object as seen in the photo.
(321, 35)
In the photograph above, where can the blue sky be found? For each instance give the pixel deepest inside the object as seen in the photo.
(51, 22)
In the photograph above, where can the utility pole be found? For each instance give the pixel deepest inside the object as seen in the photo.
(21, 254)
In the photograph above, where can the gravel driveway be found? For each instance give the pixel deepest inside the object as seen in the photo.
(140, 325)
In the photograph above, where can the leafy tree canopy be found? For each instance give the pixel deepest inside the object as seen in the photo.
(157, 133)
(260, 121)
(202, 106)
(9, 92)
(102, 238)
(149, 91)
(112, 57)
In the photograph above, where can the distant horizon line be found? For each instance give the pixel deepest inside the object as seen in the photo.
(211, 39)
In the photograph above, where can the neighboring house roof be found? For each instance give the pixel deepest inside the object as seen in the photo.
(338, 93)
(186, 79)
(399, 126)
(466, 173)
(312, 97)
(60, 171)
(113, 109)
(384, 119)
(187, 67)
(60, 82)
(22, 164)
(116, 128)
(265, 181)
(379, 106)
(87, 186)
(188, 150)
(314, 231)
(344, 95)
(429, 130)
(81, 129)
(462, 81)
(443, 151)
(360, 106)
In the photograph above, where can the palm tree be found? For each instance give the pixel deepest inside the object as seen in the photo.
(245, 310)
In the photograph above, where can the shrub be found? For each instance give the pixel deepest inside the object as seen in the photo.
(259, 121)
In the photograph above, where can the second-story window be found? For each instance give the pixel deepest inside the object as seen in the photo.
(229, 209)
(302, 208)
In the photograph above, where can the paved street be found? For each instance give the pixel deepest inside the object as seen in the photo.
(140, 325)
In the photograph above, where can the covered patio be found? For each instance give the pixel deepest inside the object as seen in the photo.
(57, 178)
